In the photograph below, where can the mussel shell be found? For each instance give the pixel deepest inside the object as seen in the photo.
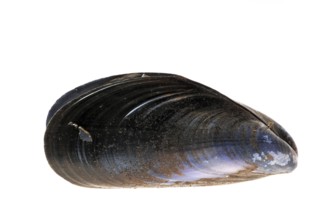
(154, 129)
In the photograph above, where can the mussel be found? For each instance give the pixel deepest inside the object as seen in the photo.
(155, 130)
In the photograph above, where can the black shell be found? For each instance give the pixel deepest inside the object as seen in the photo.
(154, 129)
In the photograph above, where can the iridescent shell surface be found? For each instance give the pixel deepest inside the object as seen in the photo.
(155, 130)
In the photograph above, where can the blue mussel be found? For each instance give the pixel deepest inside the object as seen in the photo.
(155, 130)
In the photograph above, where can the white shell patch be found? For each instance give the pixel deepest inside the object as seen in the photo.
(277, 158)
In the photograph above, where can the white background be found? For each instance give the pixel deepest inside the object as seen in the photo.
(272, 55)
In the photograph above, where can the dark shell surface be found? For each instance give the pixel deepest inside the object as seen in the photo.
(155, 129)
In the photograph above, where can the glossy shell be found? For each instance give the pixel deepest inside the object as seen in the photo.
(154, 130)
